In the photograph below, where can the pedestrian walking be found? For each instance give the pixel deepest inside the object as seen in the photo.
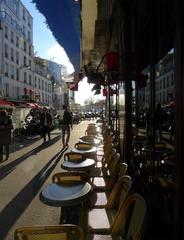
(46, 123)
(6, 127)
(66, 125)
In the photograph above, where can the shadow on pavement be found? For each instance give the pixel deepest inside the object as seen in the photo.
(14, 209)
(25, 141)
(7, 169)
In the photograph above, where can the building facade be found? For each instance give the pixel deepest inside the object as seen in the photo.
(164, 83)
(21, 78)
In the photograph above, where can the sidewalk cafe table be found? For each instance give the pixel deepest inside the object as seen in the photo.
(85, 151)
(78, 166)
(160, 152)
(69, 196)
(90, 140)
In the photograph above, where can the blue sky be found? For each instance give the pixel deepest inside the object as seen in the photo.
(44, 42)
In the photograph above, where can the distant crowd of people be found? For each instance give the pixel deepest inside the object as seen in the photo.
(6, 127)
(42, 117)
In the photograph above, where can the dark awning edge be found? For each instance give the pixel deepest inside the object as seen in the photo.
(63, 19)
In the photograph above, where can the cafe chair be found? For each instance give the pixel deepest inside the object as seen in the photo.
(70, 176)
(59, 232)
(100, 198)
(129, 224)
(107, 183)
(107, 167)
(74, 157)
(100, 220)
(91, 132)
(83, 146)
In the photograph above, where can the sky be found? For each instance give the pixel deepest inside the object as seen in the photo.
(45, 46)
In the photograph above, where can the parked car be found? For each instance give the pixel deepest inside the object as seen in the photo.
(76, 118)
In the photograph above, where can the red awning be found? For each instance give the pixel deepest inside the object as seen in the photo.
(31, 105)
(5, 103)
(36, 105)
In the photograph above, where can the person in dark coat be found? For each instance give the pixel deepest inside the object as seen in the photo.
(66, 125)
(46, 123)
(6, 127)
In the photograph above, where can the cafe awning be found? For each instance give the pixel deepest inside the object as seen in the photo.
(4, 103)
(63, 19)
(32, 105)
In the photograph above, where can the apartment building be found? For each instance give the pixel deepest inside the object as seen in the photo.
(19, 80)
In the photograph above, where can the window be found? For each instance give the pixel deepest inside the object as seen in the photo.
(39, 83)
(30, 50)
(25, 61)
(163, 82)
(17, 41)
(29, 64)
(42, 85)
(25, 77)
(17, 74)
(29, 36)
(12, 37)
(25, 46)
(35, 81)
(7, 90)
(24, 31)
(30, 80)
(6, 50)
(12, 54)
(24, 15)
(12, 72)
(6, 32)
(172, 79)
(167, 81)
(43, 100)
(29, 21)
(6, 70)
(17, 58)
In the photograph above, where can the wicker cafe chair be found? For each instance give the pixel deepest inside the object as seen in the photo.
(102, 197)
(83, 146)
(109, 174)
(100, 220)
(60, 232)
(70, 177)
(91, 132)
(74, 157)
(131, 214)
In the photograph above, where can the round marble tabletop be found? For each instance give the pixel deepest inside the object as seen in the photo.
(64, 195)
(82, 165)
(93, 140)
(91, 150)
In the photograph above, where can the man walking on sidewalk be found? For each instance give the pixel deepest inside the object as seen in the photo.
(46, 123)
(66, 124)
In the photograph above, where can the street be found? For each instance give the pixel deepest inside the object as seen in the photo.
(22, 177)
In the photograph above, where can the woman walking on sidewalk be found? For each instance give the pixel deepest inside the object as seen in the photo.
(5, 133)
(66, 124)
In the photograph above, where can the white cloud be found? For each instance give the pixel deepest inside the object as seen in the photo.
(57, 54)
(85, 92)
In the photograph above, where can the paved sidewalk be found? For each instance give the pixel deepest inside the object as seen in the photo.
(28, 170)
